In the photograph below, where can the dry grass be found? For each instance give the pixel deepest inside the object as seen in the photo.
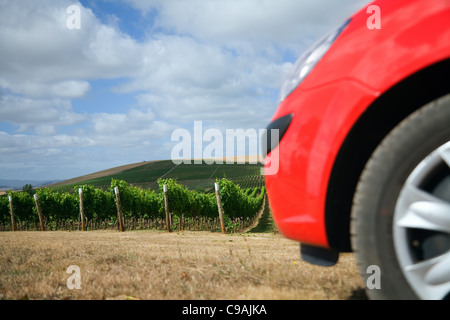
(177, 266)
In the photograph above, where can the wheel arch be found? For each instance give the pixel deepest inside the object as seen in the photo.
(373, 125)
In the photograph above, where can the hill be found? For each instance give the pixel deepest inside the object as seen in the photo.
(99, 174)
(193, 176)
(10, 184)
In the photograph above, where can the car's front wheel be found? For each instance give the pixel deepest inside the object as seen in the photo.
(401, 211)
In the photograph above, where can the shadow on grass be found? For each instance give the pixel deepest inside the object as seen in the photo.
(267, 225)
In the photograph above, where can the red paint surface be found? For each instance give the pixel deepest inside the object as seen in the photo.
(360, 65)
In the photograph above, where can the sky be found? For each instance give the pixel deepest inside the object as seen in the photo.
(111, 90)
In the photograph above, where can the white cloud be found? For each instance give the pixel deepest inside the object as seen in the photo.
(42, 57)
(65, 89)
(28, 147)
(39, 115)
(107, 123)
(185, 80)
(240, 21)
(219, 61)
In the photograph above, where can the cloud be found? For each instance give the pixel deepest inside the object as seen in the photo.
(43, 58)
(240, 21)
(221, 62)
(131, 128)
(226, 59)
(65, 89)
(42, 116)
(184, 79)
(32, 147)
(37, 157)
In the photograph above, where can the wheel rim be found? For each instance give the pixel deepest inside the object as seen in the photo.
(421, 226)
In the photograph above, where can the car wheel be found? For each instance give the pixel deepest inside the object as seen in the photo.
(400, 220)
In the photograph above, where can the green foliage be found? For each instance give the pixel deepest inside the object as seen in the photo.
(4, 209)
(236, 202)
(97, 203)
(203, 205)
(188, 203)
(180, 200)
(22, 206)
(57, 206)
(68, 206)
(28, 188)
(135, 202)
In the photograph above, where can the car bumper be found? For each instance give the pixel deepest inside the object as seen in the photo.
(321, 118)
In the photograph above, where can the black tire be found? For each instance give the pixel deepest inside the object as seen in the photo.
(378, 238)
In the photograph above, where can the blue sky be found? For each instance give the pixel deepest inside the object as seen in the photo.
(76, 101)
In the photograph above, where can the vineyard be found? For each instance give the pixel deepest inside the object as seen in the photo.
(199, 177)
(142, 208)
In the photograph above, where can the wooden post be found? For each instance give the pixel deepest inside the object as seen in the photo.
(38, 207)
(13, 223)
(219, 206)
(166, 205)
(119, 209)
(80, 192)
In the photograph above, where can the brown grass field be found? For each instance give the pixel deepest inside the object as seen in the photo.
(155, 265)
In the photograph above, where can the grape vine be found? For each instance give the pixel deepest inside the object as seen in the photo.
(137, 204)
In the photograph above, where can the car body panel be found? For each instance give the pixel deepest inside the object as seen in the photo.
(360, 66)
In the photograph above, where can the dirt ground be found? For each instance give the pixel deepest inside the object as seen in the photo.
(154, 265)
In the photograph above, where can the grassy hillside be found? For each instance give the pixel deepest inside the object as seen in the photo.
(192, 176)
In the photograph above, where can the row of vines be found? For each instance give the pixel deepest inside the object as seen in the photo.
(141, 208)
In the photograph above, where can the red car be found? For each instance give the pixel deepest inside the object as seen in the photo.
(364, 149)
